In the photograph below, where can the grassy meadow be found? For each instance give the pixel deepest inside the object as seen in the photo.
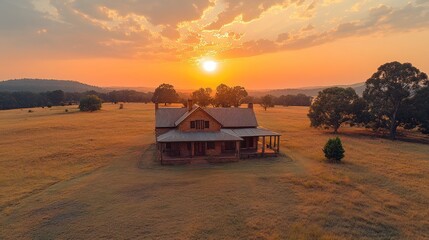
(73, 175)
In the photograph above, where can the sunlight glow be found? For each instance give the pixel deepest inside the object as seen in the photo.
(210, 66)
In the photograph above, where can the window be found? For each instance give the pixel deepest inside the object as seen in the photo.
(210, 145)
(168, 146)
(189, 146)
(200, 124)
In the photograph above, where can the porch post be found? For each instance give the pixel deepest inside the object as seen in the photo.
(192, 149)
(278, 144)
(237, 146)
(161, 147)
(263, 145)
(271, 146)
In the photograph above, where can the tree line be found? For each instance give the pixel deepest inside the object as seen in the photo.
(397, 95)
(226, 96)
(12, 100)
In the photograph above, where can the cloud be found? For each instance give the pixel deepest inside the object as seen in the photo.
(182, 30)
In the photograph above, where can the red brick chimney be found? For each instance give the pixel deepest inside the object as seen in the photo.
(250, 105)
(190, 104)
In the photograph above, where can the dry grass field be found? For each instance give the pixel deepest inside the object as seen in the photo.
(93, 176)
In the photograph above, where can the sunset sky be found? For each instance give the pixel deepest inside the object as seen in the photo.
(258, 44)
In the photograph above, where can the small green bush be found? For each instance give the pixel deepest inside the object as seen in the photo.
(334, 150)
(90, 103)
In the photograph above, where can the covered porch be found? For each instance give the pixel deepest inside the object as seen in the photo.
(222, 146)
(267, 143)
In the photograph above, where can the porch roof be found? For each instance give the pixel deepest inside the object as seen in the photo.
(178, 136)
(254, 132)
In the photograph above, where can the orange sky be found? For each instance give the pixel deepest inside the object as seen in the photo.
(260, 45)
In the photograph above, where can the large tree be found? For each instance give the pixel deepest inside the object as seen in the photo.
(229, 96)
(165, 93)
(202, 96)
(387, 92)
(238, 93)
(222, 97)
(333, 107)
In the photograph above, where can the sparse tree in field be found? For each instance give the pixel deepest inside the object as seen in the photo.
(333, 107)
(90, 103)
(238, 93)
(267, 101)
(334, 150)
(165, 93)
(202, 96)
(228, 97)
(222, 97)
(387, 91)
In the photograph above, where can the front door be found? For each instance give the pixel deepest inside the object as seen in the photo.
(200, 148)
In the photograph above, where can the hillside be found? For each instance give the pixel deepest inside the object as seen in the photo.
(44, 85)
(309, 91)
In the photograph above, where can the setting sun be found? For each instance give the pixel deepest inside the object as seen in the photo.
(210, 66)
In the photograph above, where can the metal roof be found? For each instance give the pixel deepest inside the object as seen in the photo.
(178, 136)
(227, 117)
(254, 132)
(166, 117)
(234, 117)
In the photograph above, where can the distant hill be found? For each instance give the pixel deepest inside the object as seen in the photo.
(44, 85)
(138, 89)
(309, 91)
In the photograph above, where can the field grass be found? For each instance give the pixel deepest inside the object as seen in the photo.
(92, 175)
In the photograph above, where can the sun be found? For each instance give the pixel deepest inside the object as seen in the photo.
(210, 66)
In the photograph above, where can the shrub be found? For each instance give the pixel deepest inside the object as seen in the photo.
(90, 103)
(334, 149)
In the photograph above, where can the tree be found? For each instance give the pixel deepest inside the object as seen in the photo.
(90, 103)
(55, 97)
(387, 91)
(238, 93)
(228, 97)
(165, 93)
(333, 107)
(334, 149)
(267, 101)
(420, 102)
(202, 97)
(222, 97)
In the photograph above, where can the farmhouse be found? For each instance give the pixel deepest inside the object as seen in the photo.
(215, 134)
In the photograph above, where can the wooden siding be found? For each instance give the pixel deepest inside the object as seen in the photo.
(185, 126)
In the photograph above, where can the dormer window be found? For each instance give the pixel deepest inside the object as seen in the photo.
(200, 124)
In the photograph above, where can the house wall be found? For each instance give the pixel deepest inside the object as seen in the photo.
(199, 115)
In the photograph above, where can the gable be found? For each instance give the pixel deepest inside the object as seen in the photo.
(199, 115)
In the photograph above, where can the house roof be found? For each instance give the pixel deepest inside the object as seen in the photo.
(178, 136)
(254, 132)
(234, 117)
(227, 117)
(166, 117)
